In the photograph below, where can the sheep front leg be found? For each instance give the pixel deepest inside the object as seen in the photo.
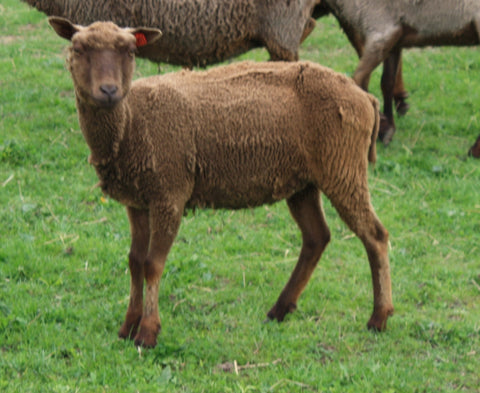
(140, 232)
(164, 222)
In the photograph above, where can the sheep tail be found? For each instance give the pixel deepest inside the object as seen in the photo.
(372, 152)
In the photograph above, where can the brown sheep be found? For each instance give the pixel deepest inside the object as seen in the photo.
(200, 32)
(379, 29)
(233, 137)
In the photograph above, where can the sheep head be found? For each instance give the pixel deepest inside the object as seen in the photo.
(102, 58)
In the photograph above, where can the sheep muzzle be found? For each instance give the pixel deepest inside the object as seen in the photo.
(107, 95)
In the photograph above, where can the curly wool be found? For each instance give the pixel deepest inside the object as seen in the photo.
(200, 32)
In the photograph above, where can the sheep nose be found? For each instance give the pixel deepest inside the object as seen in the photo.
(109, 90)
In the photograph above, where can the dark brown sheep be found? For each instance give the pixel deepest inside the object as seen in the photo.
(233, 137)
(379, 29)
(200, 32)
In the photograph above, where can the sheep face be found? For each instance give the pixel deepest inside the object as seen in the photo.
(102, 59)
(108, 81)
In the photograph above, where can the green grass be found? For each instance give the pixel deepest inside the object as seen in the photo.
(63, 251)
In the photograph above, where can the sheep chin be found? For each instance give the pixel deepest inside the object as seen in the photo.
(106, 102)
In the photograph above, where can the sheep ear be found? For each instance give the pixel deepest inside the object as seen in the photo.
(63, 27)
(146, 35)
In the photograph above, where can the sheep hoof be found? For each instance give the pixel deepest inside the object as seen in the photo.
(147, 336)
(402, 108)
(475, 149)
(279, 312)
(145, 340)
(401, 105)
(386, 131)
(378, 320)
(129, 328)
(126, 333)
(387, 137)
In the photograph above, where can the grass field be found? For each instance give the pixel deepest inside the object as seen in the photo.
(63, 251)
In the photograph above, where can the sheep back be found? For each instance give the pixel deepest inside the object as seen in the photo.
(246, 134)
(200, 32)
(431, 20)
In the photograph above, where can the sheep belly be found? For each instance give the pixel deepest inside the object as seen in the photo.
(248, 175)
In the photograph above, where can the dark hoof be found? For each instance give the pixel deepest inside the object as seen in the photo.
(129, 329)
(402, 107)
(125, 334)
(475, 149)
(146, 339)
(378, 320)
(147, 334)
(385, 134)
(279, 312)
(141, 342)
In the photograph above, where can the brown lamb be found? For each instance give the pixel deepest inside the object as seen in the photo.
(200, 32)
(233, 137)
(379, 29)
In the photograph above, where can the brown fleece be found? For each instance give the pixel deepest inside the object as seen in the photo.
(233, 137)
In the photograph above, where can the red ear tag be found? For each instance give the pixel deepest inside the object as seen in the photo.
(141, 39)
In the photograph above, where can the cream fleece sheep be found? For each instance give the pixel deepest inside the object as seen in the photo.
(379, 29)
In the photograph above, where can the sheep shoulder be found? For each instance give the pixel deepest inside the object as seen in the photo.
(153, 156)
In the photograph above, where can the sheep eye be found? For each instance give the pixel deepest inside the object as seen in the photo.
(77, 50)
(131, 51)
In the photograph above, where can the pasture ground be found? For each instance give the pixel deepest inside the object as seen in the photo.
(63, 251)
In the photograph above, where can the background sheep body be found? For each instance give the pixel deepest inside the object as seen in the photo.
(200, 32)
(236, 136)
(379, 29)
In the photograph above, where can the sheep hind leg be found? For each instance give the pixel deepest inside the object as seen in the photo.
(399, 93)
(374, 52)
(390, 68)
(307, 211)
(140, 233)
(355, 209)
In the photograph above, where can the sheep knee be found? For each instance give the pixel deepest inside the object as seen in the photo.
(312, 248)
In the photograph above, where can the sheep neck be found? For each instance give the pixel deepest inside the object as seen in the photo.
(103, 130)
